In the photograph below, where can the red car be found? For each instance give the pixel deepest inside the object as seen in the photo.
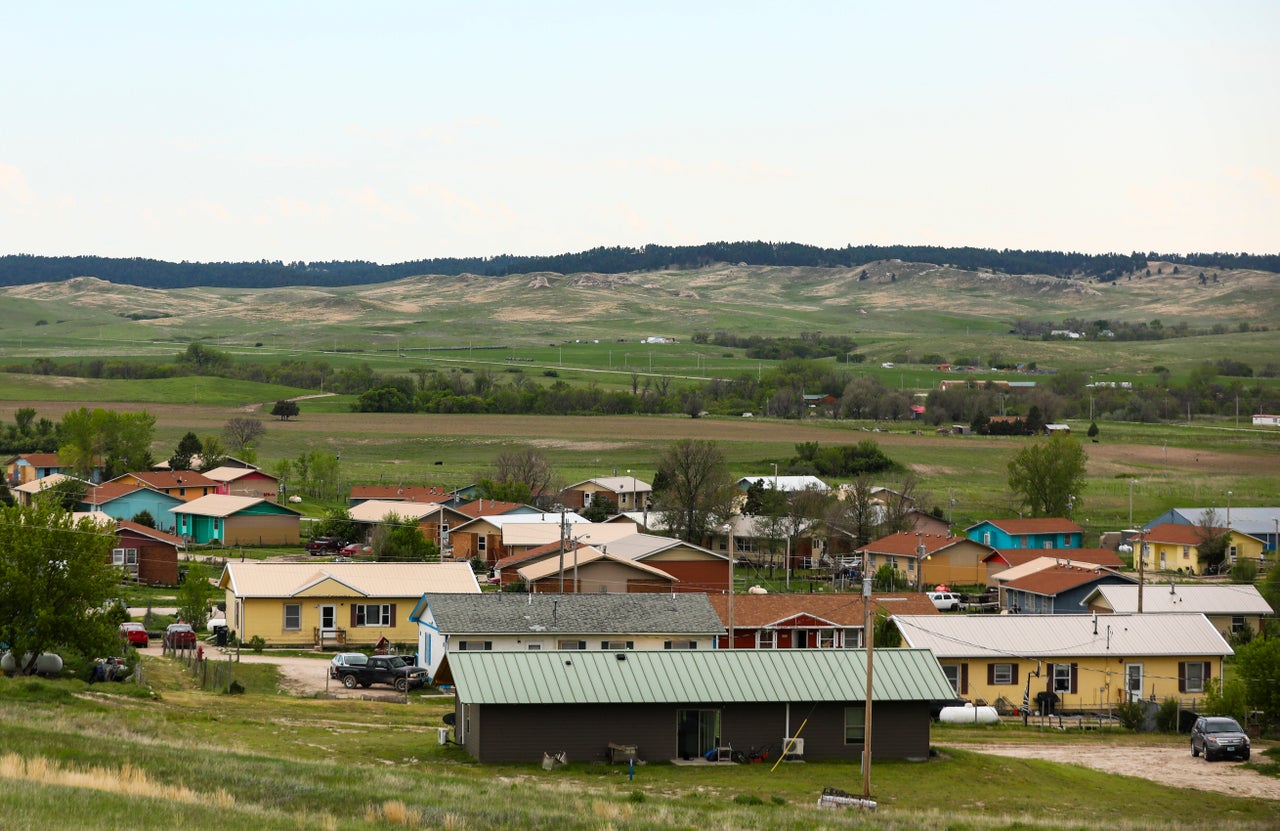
(356, 549)
(135, 633)
(180, 636)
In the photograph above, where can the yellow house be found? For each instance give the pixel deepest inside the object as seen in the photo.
(1231, 608)
(1078, 662)
(1175, 547)
(929, 559)
(334, 604)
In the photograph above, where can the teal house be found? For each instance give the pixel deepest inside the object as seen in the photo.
(122, 500)
(236, 520)
(1040, 532)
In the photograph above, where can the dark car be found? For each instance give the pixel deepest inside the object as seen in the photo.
(179, 636)
(1219, 737)
(323, 545)
(382, 669)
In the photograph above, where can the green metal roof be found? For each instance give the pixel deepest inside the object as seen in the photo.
(692, 676)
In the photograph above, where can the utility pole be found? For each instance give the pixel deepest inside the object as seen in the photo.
(869, 635)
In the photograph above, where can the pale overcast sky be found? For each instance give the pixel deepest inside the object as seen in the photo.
(393, 131)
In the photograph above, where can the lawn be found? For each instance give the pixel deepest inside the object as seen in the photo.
(102, 757)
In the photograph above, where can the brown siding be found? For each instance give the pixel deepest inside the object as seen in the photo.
(257, 529)
(696, 575)
(523, 733)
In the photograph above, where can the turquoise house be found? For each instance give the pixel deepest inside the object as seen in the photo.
(120, 500)
(1042, 532)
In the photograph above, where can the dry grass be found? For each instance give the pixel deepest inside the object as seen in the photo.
(126, 780)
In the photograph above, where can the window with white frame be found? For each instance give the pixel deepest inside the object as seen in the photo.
(855, 725)
(853, 639)
(568, 644)
(680, 645)
(292, 616)
(482, 543)
(952, 673)
(824, 638)
(475, 646)
(124, 556)
(1002, 674)
(1062, 678)
(617, 644)
(1237, 624)
(1195, 676)
(767, 639)
(373, 614)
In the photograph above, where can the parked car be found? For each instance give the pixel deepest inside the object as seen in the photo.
(383, 669)
(944, 601)
(323, 545)
(1218, 737)
(179, 636)
(346, 659)
(134, 633)
(356, 549)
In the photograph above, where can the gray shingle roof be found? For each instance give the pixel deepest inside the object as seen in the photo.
(499, 613)
(696, 676)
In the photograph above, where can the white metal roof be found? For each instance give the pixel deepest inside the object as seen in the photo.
(1061, 636)
(785, 483)
(273, 579)
(221, 505)
(540, 533)
(1206, 598)
(376, 510)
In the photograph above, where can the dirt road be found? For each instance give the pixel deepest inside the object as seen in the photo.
(301, 676)
(1173, 766)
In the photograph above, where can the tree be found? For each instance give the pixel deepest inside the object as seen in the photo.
(1258, 666)
(241, 432)
(66, 494)
(1093, 429)
(194, 595)
(398, 540)
(188, 447)
(212, 453)
(285, 409)
(55, 578)
(337, 523)
(528, 466)
(504, 491)
(1211, 550)
(117, 441)
(1048, 477)
(601, 508)
(144, 517)
(857, 515)
(697, 493)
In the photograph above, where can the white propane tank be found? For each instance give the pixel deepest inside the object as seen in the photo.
(969, 714)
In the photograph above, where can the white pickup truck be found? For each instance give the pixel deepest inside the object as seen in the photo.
(944, 601)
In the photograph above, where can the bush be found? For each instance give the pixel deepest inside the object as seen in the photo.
(1167, 716)
(257, 644)
(1131, 714)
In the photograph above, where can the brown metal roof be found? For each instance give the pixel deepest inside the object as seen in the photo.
(752, 611)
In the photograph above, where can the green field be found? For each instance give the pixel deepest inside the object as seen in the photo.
(105, 757)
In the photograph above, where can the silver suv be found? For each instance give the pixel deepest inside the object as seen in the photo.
(1218, 737)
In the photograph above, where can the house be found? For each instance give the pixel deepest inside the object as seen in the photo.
(1175, 547)
(1057, 429)
(244, 481)
(1058, 589)
(1000, 579)
(1047, 532)
(926, 559)
(1006, 558)
(334, 604)
(627, 493)
(148, 556)
(1265, 420)
(685, 566)
(187, 485)
(1231, 608)
(1082, 663)
(25, 494)
(481, 537)
(126, 500)
(197, 462)
(28, 467)
(1263, 523)
(507, 622)
(786, 484)
(590, 569)
(428, 516)
(236, 520)
(808, 621)
(669, 704)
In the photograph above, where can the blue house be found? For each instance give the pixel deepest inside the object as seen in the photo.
(1058, 589)
(1045, 532)
(122, 500)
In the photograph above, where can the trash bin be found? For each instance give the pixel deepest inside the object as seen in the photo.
(1046, 701)
(220, 635)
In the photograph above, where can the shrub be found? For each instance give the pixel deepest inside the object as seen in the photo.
(1167, 716)
(257, 644)
(1131, 714)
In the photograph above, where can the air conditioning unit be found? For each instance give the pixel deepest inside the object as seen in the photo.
(792, 747)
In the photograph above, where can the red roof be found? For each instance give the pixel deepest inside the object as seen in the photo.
(1055, 580)
(905, 543)
(137, 528)
(1037, 525)
(534, 554)
(39, 459)
(410, 493)
(487, 507)
(107, 491)
(1178, 534)
(170, 479)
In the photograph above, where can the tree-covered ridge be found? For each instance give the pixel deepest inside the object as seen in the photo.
(22, 269)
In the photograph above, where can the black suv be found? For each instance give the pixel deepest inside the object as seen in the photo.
(1218, 737)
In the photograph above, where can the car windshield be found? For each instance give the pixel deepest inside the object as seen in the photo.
(397, 662)
(1222, 725)
(355, 660)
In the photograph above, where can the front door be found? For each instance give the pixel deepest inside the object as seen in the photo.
(697, 732)
(328, 620)
(1133, 681)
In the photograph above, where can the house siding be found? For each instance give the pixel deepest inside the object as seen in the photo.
(510, 733)
(264, 617)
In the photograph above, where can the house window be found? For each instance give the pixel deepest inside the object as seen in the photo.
(571, 644)
(1237, 624)
(534, 646)
(292, 617)
(475, 646)
(1062, 678)
(855, 725)
(482, 543)
(891, 562)
(617, 645)
(986, 538)
(373, 614)
(1195, 676)
(853, 639)
(824, 638)
(952, 673)
(217, 524)
(680, 645)
(1002, 674)
(1231, 554)
(766, 639)
(124, 556)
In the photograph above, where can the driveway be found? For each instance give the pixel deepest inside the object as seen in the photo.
(299, 675)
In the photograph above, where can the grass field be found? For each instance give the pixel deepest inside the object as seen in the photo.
(101, 757)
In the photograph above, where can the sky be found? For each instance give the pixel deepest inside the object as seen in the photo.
(394, 131)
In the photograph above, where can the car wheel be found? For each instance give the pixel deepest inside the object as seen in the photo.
(1195, 751)
(1245, 757)
(349, 681)
(402, 684)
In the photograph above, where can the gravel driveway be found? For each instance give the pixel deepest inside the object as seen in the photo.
(1173, 766)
